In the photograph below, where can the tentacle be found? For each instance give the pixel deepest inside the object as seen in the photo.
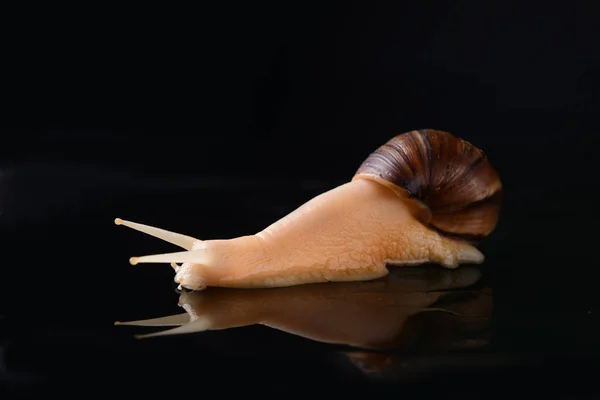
(171, 320)
(186, 242)
(200, 325)
(195, 257)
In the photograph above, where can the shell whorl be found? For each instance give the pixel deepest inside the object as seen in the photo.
(450, 176)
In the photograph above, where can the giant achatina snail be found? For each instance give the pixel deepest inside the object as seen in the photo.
(423, 197)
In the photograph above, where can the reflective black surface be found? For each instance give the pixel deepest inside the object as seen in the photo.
(217, 123)
(518, 317)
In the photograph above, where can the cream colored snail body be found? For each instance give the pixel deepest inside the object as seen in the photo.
(423, 197)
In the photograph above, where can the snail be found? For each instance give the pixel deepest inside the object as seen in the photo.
(425, 196)
(429, 306)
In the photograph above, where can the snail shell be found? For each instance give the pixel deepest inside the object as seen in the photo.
(455, 182)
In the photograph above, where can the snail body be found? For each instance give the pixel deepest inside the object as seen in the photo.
(423, 197)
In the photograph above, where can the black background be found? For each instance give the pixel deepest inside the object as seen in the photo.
(215, 120)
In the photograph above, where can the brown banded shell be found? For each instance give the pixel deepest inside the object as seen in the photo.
(449, 175)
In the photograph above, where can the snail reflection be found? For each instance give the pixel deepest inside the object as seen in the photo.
(426, 305)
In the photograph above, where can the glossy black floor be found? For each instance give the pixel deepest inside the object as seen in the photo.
(284, 105)
(526, 315)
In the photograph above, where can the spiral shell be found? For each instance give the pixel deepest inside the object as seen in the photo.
(451, 177)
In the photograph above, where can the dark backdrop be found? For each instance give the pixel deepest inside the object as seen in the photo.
(219, 119)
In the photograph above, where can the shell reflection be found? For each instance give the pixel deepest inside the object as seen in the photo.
(419, 306)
